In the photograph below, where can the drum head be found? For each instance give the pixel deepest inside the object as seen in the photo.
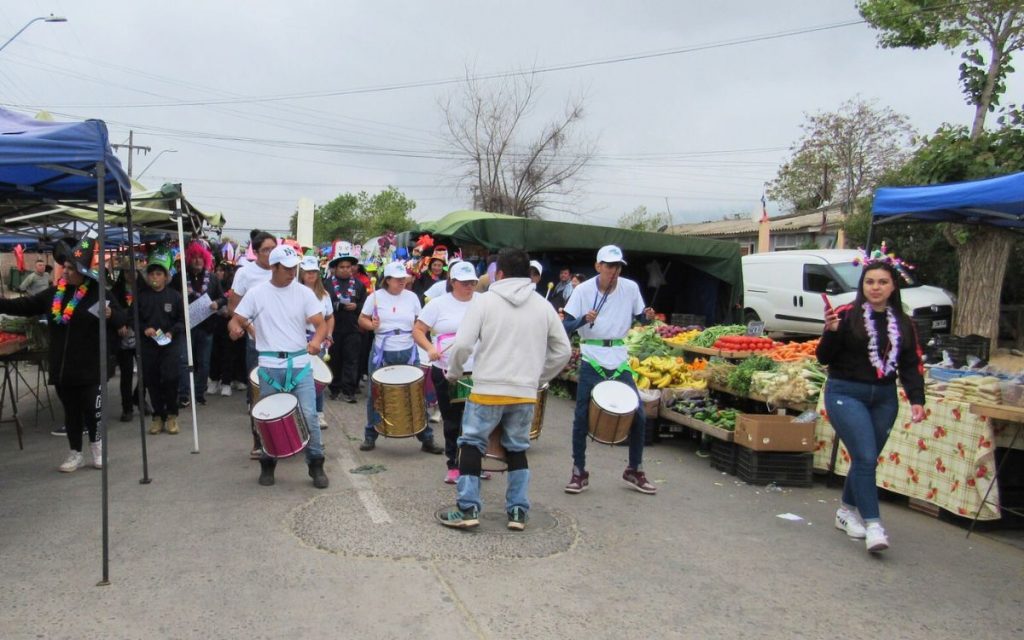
(254, 377)
(321, 372)
(615, 397)
(275, 406)
(398, 374)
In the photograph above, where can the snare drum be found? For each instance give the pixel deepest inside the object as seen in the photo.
(280, 425)
(538, 413)
(495, 458)
(459, 390)
(322, 375)
(612, 405)
(254, 384)
(398, 397)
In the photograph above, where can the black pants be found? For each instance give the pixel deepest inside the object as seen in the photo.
(160, 374)
(451, 416)
(345, 354)
(364, 356)
(81, 411)
(126, 365)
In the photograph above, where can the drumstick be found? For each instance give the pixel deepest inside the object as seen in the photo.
(551, 285)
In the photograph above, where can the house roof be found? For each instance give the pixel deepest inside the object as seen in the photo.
(793, 222)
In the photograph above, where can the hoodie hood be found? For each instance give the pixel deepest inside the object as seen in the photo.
(514, 290)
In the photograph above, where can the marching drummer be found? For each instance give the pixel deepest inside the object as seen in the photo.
(442, 316)
(518, 345)
(602, 309)
(279, 311)
(310, 270)
(390, 312)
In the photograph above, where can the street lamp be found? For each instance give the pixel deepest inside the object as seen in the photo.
(50, 18)
(154, 160)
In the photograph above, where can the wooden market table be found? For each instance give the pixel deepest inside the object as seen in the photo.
(1011, 414)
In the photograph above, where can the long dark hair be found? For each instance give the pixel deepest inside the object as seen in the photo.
(895, 300)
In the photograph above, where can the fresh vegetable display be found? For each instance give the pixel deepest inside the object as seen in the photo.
(574, 361)
(710, 336)
(744, 343)
(791, 382)
(716, 371)
(706, 410)
(7, 336)
(740, 378)
(682, 338)
(643, 342)
(660, 372)
(794, 351)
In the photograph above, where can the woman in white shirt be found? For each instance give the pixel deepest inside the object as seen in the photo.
(442, 317)
(390, 312)
(309, 270)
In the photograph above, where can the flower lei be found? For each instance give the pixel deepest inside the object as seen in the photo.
(336, 286)
(58, 299)
(892, 327)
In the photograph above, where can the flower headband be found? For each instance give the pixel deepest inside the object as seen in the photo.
(884, 256)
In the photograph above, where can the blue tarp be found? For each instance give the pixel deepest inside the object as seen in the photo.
(997, 202)
(33, 153)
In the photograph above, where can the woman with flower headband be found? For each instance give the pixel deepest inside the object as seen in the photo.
(866, 346)
(71, 309)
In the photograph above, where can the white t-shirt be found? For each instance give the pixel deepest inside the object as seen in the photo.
(248, 277)
(328, 311)
(396, 313)
(280, 315)
(444, 315)
(614, 319)
(436, 290)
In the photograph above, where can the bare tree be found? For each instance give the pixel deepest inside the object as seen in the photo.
(506, 168)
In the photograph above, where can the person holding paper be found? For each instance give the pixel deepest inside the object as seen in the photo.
(161, 319)
(203, 289)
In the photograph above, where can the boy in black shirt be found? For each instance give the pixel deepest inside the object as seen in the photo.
(162, 321)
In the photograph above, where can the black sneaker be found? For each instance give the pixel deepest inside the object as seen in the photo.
(428, 446)
(59, 431)
(351, 399)
(184, 403)
(333, 395)
(458, 518)
(368, 445)
(517, 519)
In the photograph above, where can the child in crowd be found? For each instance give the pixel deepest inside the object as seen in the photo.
(161, 319)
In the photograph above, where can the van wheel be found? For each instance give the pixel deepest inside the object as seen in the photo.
(750, 316)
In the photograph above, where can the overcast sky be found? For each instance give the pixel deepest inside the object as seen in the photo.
(241, 88)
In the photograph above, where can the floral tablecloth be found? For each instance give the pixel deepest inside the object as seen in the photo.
(947, 460)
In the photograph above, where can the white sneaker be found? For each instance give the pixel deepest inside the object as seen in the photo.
(238, 386)
(323, 420)
(213, 387)
(435, 413)
(876, 539)
(225, 391)
(73, 462)
(850, 522)
(97, 453)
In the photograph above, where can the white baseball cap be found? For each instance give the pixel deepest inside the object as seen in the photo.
(536, 265)
(463, 272)
(309, 263)
(285, 256)
(610, 254)
(395, 270)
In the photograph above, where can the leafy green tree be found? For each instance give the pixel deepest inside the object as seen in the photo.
(640, 219)
(988, 33)
(359, 216)
(841, 155)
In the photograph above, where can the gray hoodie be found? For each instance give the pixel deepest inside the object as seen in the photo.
(522, 344)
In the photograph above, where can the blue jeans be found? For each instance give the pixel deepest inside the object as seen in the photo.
(202, 343)
(589, 377)
(306, 393)
(862, 415)
(478, 421)
(372, 417)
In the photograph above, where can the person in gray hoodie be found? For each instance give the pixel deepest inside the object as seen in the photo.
(522, 346)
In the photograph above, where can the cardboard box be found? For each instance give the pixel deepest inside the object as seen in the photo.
(773, 433)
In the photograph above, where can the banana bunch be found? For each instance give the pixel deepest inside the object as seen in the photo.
(660, 372)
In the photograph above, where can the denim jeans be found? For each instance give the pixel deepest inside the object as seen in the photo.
(306, 393)
(372, 417)
(202, 343)
(588, 379)
(862, 415)
(478, 421)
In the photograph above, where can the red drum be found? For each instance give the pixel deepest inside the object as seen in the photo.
(280, 425)
(321, 373)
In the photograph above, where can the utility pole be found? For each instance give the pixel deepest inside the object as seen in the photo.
(131, 149)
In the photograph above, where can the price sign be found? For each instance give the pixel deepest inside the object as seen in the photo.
(755, 328)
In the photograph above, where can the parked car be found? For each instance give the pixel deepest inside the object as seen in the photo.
(783, 289)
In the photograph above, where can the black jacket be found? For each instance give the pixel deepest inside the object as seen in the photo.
(845, 352)
(74, 347)
(160, 310)
(345, 322)
(214, 290)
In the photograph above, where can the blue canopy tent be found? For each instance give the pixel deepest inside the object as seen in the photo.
(72, 162)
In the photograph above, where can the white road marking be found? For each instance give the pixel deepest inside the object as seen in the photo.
(364, 489)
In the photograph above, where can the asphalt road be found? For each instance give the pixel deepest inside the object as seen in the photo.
(205, 552)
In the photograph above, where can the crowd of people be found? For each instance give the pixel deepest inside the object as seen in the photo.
(486, 338)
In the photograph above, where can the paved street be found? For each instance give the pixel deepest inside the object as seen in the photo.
(204, 552)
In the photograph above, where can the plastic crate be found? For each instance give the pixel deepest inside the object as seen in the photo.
(785, 469)
(723, 456)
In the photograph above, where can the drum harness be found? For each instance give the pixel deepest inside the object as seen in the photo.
(289, 381)
(597, 367)
(378, 352)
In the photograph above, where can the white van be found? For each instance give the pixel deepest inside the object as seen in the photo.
(783, 289)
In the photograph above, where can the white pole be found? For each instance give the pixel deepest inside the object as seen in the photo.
(188, 332)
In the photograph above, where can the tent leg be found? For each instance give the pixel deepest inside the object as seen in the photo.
(102, 435)
(188, 332)
(141, 396)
